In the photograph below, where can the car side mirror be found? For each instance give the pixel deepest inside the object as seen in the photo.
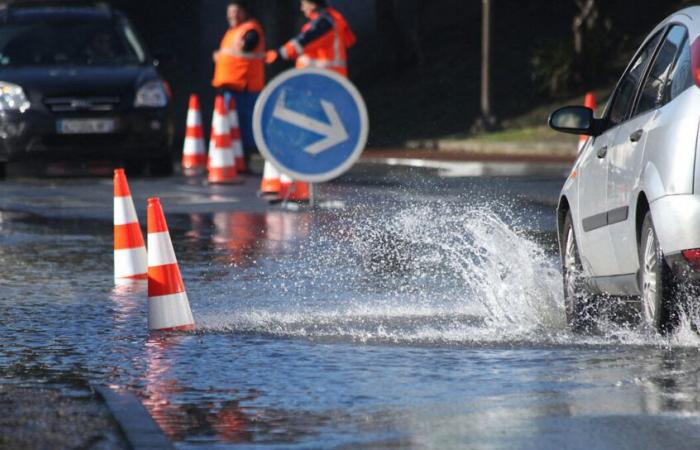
(574, 120)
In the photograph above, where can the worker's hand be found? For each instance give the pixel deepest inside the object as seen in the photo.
(271, 56)
(215, 55)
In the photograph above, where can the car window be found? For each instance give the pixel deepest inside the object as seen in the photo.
(652, 94)
(681, 77)
(624, 95)
(67, 42)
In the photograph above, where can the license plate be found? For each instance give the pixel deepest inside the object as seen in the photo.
(85, 126)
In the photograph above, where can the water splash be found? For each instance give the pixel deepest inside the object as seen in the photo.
(431, 273)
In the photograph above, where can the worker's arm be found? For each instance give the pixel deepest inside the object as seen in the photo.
(250, 41)
(317, 28)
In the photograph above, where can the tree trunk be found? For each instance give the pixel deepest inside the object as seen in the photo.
(583, 22)
(486, 120)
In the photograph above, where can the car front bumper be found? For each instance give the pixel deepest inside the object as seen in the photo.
(34, 134)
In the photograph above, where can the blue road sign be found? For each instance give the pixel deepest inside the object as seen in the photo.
(311, 124)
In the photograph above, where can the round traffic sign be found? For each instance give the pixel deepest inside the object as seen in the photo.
(311, 124)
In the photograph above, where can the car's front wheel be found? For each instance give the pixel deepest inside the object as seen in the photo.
(577, 301)
(655, 280)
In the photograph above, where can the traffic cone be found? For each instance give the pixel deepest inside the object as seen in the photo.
(236, 136)
(588, 102)
(294, 191)
(194, 155)
(270, 185)
(130, 259)
(168, 307)
(222, 163)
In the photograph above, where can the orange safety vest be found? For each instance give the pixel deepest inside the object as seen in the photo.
(238, 70)
(327, 52)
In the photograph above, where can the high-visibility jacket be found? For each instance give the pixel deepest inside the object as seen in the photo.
(323, 42)
(237, 69)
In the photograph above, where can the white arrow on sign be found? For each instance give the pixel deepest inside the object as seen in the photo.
(334, 133)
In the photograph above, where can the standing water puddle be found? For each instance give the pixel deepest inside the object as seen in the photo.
(436, 326)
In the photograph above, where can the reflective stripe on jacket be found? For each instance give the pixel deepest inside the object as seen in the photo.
(237, 69)
(323, 42)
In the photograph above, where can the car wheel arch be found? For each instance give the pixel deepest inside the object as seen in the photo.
(640, 210)
(562, 209)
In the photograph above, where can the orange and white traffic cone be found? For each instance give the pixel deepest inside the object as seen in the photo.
(194, 155)
(294, 191)
(270, 184)
(130, 259)
(222, 163)
(588, 102)
(168, 306)
(236, 143)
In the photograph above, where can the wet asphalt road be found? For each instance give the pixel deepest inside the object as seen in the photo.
(413, 308)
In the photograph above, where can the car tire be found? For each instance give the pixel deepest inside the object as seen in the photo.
(3, 170)
(161, 167)
(579, 304)
(655, 281)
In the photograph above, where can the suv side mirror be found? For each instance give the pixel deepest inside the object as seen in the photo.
(574, 120)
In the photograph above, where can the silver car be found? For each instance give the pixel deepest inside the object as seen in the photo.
(629, 213)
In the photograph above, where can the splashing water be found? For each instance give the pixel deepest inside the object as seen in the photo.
(432, 273)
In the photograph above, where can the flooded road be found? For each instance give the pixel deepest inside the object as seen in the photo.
(411, 310)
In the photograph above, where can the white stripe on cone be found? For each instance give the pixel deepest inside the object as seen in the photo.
(124, 211)
(194, 118)
(129, 262)
(160, 250)
(193, 146)
(270, 172)
(169, 311)
(220, 158)
(235, 142)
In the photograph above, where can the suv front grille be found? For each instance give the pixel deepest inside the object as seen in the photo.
(67, 104)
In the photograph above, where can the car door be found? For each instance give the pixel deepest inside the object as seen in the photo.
(626, 156)
(597, 249)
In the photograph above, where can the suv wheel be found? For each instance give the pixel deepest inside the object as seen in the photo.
(655, 281)
(580, 310)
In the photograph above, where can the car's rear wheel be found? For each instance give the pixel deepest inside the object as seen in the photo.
(655, 280)
(577, 301)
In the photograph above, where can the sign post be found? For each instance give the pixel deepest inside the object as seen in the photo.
(311, 124)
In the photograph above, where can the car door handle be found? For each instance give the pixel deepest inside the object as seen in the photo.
(636, 136)
(602, 151)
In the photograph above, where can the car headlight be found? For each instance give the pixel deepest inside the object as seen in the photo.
(151, 95)
(12, 98)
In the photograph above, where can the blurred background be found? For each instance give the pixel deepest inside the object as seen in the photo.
(418, 62)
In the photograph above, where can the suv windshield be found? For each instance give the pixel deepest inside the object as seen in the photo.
(72, 41)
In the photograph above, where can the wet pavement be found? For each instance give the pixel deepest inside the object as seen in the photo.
(413, 308)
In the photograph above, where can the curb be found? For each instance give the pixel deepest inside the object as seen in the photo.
(505, 149)
(139, 428)
(478, 168)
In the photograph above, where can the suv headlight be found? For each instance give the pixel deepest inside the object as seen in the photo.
(151, 95)
(12, 98)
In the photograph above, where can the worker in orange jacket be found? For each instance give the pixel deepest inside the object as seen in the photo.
(239, 69)
(323, 41)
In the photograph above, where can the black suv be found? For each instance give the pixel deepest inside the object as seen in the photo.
(76, 82)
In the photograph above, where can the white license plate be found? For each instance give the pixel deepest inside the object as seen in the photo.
(85, 126)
